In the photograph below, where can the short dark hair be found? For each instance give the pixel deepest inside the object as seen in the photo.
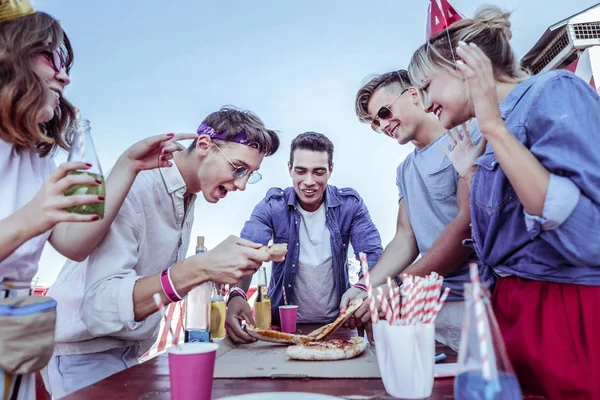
(312, 141)
(234, 120)
(373, 83)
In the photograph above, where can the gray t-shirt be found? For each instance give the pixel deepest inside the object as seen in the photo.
(427, 182)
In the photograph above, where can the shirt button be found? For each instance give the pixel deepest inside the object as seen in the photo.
(293, 265)
(290, 285)
(296, 222)
(297, 244)
(494, 163)
(344, 244)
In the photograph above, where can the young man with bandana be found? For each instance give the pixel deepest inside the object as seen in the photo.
(107, 317)
(318, 221)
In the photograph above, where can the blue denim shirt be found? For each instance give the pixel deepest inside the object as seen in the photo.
(556, 115)
(276, 217)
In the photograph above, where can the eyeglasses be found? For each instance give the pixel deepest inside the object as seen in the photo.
(56, 59)
(384, 112)
(241, 171)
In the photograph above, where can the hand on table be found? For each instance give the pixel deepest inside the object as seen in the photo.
(238, 309)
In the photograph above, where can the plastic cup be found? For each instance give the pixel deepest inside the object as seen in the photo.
(406, 358)
(288, 316)
(191, 369)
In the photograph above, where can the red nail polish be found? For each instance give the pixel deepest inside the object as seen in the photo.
(88, 164)
(100, 197)
(170, 134)
(163, 158)
(98, 181)
(95, 218)
(165, 151)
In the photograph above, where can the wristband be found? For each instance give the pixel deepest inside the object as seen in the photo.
(167, 285)
(236, 292)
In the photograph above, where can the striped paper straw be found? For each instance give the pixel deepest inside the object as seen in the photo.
(385, 306)
(284, 296)
(394, 301)
(480, 321)
(161, 309)
(371, 299)
(439, 305)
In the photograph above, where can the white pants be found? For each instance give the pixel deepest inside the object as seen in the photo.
(66, 374)
(448, 324)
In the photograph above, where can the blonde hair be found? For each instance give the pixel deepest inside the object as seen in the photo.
(22, 92)
(489, 29)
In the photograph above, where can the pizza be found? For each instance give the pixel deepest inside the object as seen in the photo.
(277, 251)
(267, 335)
(330, 350)
(326, 330)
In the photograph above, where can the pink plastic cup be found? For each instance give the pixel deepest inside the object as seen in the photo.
(288, 316)
(191, 369)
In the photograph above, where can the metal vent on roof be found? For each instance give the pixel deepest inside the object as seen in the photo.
(560, 42)
(589, 30)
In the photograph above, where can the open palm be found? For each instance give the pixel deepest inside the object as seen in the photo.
(464, 152)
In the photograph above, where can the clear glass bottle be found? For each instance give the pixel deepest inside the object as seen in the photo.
(197, 315)
(83, 150)
(262, 305)
(471, 383)
(217, 313)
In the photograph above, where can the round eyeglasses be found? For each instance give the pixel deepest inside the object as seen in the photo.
(240, 171)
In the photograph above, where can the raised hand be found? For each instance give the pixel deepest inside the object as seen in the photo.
(464, 152)
(478, 72)
(155, 151)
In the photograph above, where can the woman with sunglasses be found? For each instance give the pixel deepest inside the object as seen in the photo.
(535, 196)
(35, 121)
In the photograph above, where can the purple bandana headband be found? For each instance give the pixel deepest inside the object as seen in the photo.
(239, 137)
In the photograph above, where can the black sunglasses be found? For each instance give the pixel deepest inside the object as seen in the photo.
(384, 112)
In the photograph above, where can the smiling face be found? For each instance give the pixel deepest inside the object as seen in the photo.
(406, 112)
(54, 79)
(446, 96)
(210, 172)
(310, 173)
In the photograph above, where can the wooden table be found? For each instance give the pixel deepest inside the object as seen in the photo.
(150, 380)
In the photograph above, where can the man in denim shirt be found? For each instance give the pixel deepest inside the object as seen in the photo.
(317, 221)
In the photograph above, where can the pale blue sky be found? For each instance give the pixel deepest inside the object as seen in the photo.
(149, 67)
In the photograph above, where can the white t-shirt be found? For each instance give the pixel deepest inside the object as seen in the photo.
(315, 292)
(22, 177)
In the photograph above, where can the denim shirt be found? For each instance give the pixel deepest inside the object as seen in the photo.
(347, 218)
(556, 115)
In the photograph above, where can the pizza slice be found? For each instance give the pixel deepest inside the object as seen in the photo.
(324, 331)
(329, 350)
(277, 251)
(267, 335)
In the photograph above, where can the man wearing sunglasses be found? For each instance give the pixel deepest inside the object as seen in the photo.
(107, 317)
(318, 221)
(433, 213)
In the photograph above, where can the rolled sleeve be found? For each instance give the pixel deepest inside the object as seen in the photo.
(562, 197)
(107, 306)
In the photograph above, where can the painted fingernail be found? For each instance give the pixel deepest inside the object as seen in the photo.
(459, 62)
(88, 164)
(95, 218)
(472, 44)
(163, 158)
(461, 43)
(165, 151)
(101, 198)
(170, 134)
(98, 181)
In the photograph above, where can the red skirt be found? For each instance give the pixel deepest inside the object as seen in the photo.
(552, 335)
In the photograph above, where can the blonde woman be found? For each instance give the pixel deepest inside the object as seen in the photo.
(535, 196)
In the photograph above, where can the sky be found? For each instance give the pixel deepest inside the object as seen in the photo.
(144, 68)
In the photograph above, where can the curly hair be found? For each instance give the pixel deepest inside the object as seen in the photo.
(23, 93)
